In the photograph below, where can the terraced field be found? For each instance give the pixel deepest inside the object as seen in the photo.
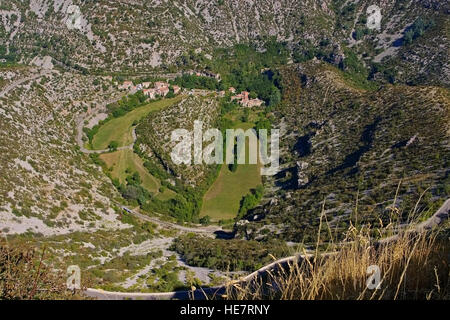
(120, 129)
(124, 162)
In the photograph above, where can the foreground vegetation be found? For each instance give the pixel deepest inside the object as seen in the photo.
(23, 275)
(415, 266)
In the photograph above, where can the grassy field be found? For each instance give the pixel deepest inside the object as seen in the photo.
(120, 129)
(121, 161)
(222, 200)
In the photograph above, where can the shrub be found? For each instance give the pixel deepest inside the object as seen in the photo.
(250, 201)
(112, 146)
(24, 275)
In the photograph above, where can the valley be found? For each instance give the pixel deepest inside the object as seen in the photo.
(94, 110)
(120, 129)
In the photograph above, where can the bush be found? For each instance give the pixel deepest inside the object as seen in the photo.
(23, 275)
(417, 29)
(415, 266)
(192, 81)
(205, 220)
(112, 146)
(250, 201)
(227, 255)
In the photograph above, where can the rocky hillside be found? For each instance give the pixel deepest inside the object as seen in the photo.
(353, 155)
(155, 132)
(130, 36)
(348, 124)
(47, 185)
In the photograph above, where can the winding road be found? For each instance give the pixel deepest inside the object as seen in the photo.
(209, 230)
(19, 82)
(207, 293)
(80, 124)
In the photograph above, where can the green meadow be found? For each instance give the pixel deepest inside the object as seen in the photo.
(222, 200)
(120, 129)
(124, 162)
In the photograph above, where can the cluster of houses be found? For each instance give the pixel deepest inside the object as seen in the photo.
(160, 88)
(244, 99)
(127, 85)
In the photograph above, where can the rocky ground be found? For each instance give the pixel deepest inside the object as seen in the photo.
(46, 183)
(172, 35)
(348, 148)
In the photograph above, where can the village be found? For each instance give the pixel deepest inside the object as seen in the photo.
(162, 89)
(244, 99)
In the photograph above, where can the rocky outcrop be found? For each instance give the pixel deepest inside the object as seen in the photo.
(302, 177)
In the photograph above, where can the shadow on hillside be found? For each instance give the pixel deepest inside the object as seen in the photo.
(224, 235)
(352, 159)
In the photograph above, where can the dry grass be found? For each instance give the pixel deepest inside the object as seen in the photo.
(24, 275)
(412, 265)
(415, 266)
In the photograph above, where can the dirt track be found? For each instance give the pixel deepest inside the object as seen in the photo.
(440, 216)
(210, 230)
(19, 82)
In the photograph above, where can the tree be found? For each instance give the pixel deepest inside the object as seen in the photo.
(171, 94)
(250, 201)
(358, 34)
(113, 145)
(275, 97)
(134, 179)
(417, 29)
(409, 36)
(205, 220)
(245, 115)
(233, 166)
(263, 123)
